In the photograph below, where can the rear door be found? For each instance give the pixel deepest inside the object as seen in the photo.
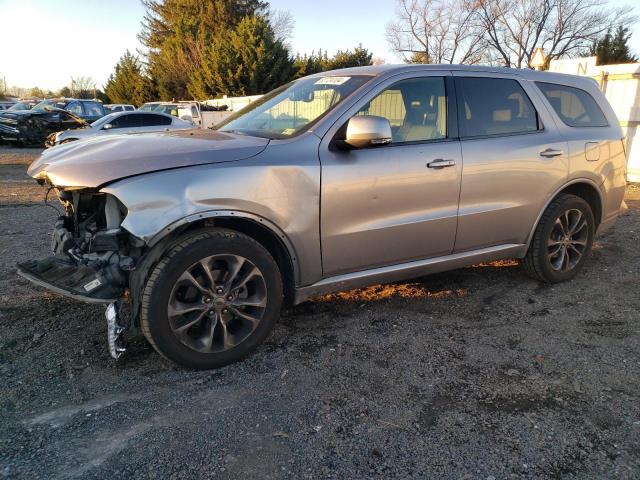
(514, 159)
(391, 204)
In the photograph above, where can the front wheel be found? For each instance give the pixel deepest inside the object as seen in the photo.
(562, 240)
(211, 300)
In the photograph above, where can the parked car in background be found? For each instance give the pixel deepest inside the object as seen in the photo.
(89, 110)
(32, 127)
(26, 104)
(6, 105)
(185, 110)
(334, 181)
(122, 122)
(194, 112)
(119, 107)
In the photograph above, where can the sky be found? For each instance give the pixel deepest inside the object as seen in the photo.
(71, 38)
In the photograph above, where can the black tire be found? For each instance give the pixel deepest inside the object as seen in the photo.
(540, 261)
(164, 280)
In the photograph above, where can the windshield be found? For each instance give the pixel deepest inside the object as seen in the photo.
(49, 103)
(171, 109)
(21, 106)
(148, 107)
(292, 108)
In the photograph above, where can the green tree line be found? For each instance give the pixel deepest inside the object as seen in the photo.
(210, 48)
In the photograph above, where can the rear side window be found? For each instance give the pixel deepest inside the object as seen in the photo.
(151, 120)
(494, 106)
(575, 107)
(119, 122)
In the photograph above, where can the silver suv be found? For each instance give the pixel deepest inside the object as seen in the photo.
(334, 181)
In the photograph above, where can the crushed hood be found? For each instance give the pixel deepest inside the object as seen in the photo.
(100, 160)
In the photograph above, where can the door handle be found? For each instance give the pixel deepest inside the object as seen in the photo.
(550, 152)
(440, 163)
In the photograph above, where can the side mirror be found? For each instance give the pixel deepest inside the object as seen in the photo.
(107, 126)
(368, 131)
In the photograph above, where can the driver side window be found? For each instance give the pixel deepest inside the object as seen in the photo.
(75, 108)
(416, 109)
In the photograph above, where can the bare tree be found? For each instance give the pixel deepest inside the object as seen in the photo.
(437, 31)
(83, 87)
(282, 23)
(502, 32)
(563, 28)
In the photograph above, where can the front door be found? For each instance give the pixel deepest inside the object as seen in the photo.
(394, 203)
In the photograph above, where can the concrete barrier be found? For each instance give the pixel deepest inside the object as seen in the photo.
(209, 119)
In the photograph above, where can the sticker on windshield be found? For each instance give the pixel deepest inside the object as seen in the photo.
(332, 80)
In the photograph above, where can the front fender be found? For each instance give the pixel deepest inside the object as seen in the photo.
(284, 197)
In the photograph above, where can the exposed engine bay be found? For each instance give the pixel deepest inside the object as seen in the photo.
(93, 256)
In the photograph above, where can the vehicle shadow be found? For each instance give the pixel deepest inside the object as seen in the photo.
(453, 285)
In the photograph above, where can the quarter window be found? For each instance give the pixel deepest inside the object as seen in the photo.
(575, 107)
(494, 106)
(416, 109)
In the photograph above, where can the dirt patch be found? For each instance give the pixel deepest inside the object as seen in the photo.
(475, 373)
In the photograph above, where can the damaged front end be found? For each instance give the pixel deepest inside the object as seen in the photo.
(93, 256)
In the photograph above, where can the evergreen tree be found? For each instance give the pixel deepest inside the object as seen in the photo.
(248, 60)
(128, 84)
(360, 57)
(314, 63)
(310, 64)
(418, 57)
(614, 48)
(178, 32)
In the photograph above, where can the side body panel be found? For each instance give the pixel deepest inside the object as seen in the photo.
(596, 153)
(505, 180)
(281, 186)
(384, 205)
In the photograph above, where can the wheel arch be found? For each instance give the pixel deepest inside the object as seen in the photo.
(581, 187)
(258, 228)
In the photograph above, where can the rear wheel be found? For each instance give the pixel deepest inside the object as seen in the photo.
(562, 240)
(211, 300)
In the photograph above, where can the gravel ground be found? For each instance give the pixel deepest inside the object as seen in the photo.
(479, 373)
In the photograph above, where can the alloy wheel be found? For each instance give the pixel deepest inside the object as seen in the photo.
(217, 303)
(568, 240)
